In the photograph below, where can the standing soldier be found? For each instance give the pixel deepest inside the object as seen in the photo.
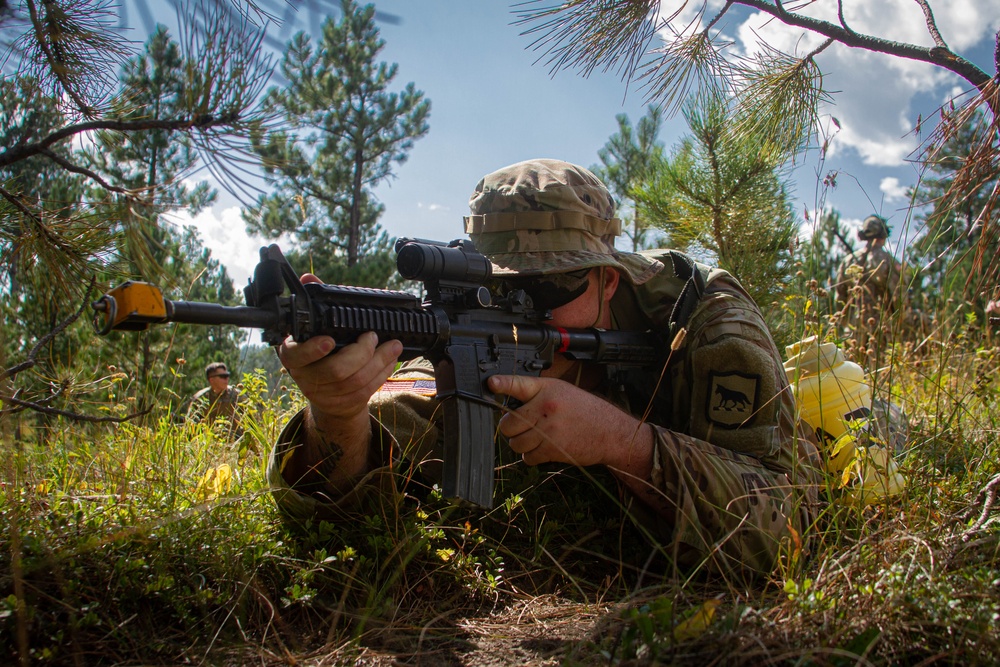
(868, 281)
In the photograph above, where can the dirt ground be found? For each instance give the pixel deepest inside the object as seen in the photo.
(541, 631)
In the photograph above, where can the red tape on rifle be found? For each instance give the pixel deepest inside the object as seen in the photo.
(564, 340)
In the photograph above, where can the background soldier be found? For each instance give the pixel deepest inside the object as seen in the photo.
(867, 283)
(992, 319)
(216, 401)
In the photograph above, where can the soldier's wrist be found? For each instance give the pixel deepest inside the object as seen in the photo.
(339, 446)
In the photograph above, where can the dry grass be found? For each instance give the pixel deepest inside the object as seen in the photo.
(118, 551)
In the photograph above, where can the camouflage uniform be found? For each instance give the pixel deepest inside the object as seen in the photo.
(869, 291)
(209, 404)
(206, 405)
(733, 473)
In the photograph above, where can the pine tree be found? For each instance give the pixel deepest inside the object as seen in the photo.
(958, 241)
(627, 159)
(723, 197)
(38, 229)
(154, 85)
(346, 131)
(53, 239)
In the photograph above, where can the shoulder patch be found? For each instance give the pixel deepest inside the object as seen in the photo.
(732, 398)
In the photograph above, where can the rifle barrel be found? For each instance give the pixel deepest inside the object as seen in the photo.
(194, 312)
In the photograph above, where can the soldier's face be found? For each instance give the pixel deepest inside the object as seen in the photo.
(219, 381)
(590, 309)
(581, 311)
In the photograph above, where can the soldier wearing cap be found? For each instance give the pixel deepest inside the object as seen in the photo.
(216, 401)
(707, 450)
(867, 282)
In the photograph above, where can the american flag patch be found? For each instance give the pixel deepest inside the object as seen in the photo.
(411, 385)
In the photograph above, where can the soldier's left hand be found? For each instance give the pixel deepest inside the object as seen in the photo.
(560, 422)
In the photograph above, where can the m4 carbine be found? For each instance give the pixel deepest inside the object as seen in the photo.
(467, 333)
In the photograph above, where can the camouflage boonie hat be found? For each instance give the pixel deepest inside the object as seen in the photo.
(548, 216)
(873, 227)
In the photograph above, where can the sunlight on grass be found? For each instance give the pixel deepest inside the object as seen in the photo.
(160, 540)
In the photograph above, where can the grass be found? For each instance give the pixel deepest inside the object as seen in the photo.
(159, 544)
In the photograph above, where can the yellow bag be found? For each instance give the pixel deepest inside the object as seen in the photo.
(830, 391)
(833, 396)
(867, 474)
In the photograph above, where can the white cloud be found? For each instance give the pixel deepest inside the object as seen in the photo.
(224, 233)
(875, 145)
(892, 189)
(875, 102)
(433, 208)
(965, 23)
(852, 224)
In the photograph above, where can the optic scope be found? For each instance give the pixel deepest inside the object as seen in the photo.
(455, 262)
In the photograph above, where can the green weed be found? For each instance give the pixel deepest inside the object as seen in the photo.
(159, 542)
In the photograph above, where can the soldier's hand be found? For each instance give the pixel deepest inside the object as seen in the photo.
(558, 421)
(339, 385)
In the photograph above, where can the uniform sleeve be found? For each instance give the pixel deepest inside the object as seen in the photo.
(734, 475)
(404, 436)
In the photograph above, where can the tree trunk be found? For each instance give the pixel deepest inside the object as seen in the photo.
(355, 231)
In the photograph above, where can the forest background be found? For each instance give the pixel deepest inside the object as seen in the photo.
(116, 504)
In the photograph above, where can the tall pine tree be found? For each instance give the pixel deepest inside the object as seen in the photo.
(627, 160)
(345, 131)
(722, 196)
(154, 163)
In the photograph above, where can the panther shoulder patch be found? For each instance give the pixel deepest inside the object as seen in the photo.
(732, 399)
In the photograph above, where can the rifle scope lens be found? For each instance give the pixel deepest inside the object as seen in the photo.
(420, 261)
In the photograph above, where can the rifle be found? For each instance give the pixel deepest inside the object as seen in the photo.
(465, 330)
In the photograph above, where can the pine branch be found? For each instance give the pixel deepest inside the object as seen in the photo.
(201, 122)
(54, 239)
(58, 329)
(840, 17)
(32, 359)
(69, 166)
(52, 52)
(937, 55)
(75, 416)
(932, 24)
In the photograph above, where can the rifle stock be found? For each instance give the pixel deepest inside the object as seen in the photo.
(468, 334)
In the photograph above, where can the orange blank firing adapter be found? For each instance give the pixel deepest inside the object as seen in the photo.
(132, 306)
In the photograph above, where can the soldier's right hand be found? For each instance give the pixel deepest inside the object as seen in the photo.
(339, 385)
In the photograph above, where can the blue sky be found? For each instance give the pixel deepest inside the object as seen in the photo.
(493, 104)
